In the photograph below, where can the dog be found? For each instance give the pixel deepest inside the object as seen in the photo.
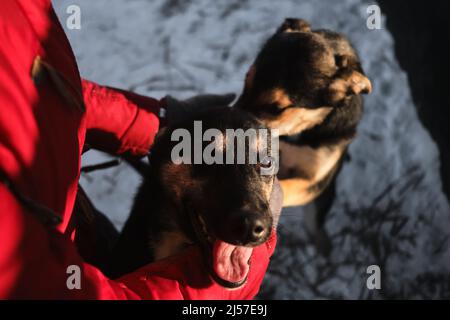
(308, 85)
(223, 207)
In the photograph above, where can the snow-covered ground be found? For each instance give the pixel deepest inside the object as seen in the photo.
(389, 209)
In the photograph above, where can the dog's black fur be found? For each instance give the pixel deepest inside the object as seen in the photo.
(171, 195)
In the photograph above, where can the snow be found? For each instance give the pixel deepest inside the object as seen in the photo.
(389, 211)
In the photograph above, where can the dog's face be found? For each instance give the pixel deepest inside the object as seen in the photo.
(225, 206)
(300, 76)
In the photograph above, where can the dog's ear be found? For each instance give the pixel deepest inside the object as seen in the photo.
(348, 83)
(294, 25)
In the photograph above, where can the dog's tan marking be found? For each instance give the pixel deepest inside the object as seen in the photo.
(295, 120)
(292, 120)
(352, 83)
(171, 243)
(178, 178)
(290, 30)
(267, 189)
(277, 95)
(295, 192)
(301, 167)
(295, 25)
(359, 83)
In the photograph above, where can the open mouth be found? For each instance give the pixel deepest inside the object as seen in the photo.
(229, 263)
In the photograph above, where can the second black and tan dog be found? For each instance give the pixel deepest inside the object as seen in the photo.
(224, 207)
(308, 85)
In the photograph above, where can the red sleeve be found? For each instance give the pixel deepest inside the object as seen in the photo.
(34, 262)
(119, 121)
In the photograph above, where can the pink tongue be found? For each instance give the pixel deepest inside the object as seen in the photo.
(230, 262)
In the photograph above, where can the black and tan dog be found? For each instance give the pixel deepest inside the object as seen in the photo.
(224, 207)
(308, 85)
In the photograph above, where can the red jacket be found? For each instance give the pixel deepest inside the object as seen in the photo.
(43, 129)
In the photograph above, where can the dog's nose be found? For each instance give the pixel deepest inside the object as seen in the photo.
(249, 227)
(257, 230)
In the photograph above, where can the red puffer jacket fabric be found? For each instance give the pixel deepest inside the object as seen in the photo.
(47, 114)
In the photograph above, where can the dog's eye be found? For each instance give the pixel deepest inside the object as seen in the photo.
(341, 61)
(266, 163)
(274, 109)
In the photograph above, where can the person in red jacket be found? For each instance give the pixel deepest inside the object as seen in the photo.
(47, 115)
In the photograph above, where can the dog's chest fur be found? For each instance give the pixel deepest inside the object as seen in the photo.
(308, 162)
